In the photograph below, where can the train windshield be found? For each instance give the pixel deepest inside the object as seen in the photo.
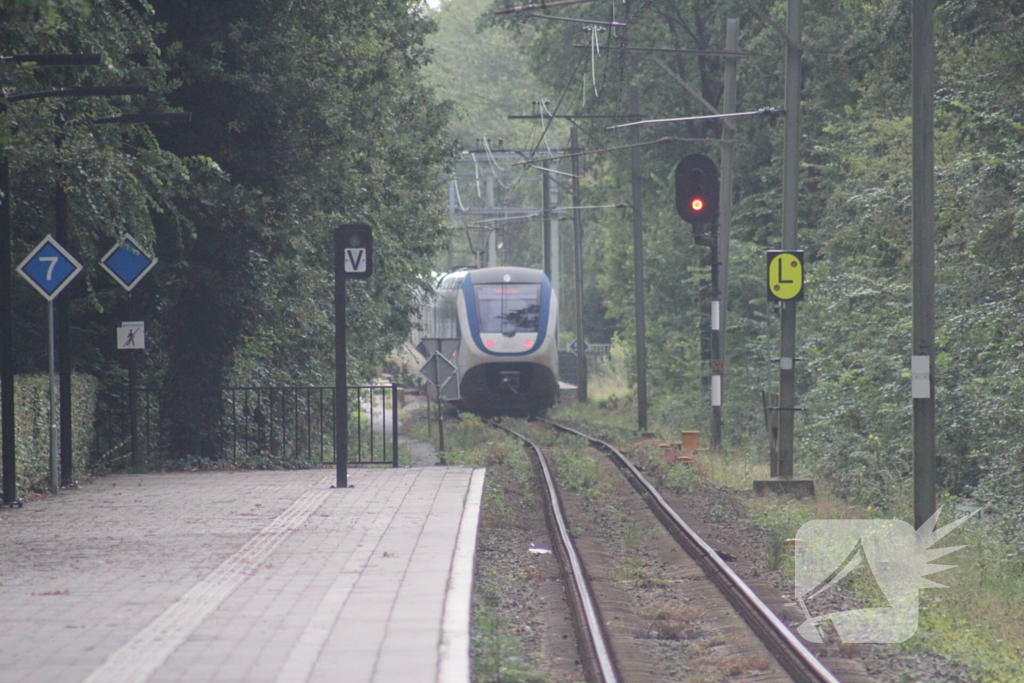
(508, 308)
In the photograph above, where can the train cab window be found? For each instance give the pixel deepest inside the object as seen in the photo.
(508, 308)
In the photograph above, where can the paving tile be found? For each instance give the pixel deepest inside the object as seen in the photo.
(234, 576)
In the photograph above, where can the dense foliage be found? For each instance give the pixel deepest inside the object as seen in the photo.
(306, 114)
(854, 223)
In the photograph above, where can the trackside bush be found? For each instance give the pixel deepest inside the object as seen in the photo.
(32, 434)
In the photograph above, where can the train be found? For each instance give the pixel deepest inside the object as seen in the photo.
(507, 320)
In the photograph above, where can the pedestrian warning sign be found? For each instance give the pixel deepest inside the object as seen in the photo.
(131, 336)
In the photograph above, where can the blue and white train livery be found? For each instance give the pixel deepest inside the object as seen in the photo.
(507, 319)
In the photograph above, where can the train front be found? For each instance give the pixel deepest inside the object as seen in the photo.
(509, 358)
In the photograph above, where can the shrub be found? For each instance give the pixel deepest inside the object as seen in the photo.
(31, 430)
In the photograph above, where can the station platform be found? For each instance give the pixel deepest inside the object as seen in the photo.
(243, 576)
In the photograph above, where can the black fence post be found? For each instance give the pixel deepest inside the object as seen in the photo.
(394, 424)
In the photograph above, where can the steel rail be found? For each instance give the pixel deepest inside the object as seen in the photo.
(592, 623)
(792, 655)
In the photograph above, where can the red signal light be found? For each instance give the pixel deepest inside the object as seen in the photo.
(697, 204)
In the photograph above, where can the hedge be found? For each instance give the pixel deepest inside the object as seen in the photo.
(32, 434)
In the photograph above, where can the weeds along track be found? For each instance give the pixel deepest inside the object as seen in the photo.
(596, 652)
(794, 659)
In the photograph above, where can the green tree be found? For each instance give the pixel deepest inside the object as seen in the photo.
(317, 113)
(117, 177)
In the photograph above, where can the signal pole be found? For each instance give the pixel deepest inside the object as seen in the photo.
(697, 203)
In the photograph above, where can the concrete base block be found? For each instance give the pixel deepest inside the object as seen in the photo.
(786, 486)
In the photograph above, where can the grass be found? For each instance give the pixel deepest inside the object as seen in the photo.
(975, 621)
(498, 656)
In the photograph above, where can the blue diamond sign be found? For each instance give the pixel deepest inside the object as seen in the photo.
(49, 268)
(127, 262)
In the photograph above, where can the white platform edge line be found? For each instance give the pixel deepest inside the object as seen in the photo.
(453, 663)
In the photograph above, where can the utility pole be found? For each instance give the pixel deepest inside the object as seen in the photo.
(63, 310)
(782, 480)
(790, 187)
(555, 244)
(492, 246)
(638, 265)
(577, 253)
(732, 32)
(581, 358)
(923, 359)
(546, 219)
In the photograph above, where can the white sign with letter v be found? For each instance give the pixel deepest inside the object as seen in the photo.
(355, 260)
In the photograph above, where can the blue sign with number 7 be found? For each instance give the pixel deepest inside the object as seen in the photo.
(49, 268)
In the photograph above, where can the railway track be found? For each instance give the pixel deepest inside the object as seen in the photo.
(598, 653)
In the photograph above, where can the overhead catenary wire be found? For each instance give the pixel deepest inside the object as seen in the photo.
(547, 126)
(542, 5)
(476, 173)
(621, 147)
(595, 52)
(480, 224)
(551, 170)
(759, 112)
(558, 104)
(614, 24)
(495, 167)
(458, 195)
(544, 133)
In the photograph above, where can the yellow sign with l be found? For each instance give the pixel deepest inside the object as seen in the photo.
(785, 275)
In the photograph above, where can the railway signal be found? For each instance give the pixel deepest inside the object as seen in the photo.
(697, 192)
(697, 203)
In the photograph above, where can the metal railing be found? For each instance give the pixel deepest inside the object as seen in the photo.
(250, 427)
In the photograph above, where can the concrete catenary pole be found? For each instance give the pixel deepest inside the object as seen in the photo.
(732, 31)
(577, 253)
(546, 218)
(492, 234)
(790, 187)
(638, 265)
(923, 254)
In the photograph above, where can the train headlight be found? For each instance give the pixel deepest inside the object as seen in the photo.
(528, 343)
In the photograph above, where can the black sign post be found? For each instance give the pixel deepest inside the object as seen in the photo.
(353, 259)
